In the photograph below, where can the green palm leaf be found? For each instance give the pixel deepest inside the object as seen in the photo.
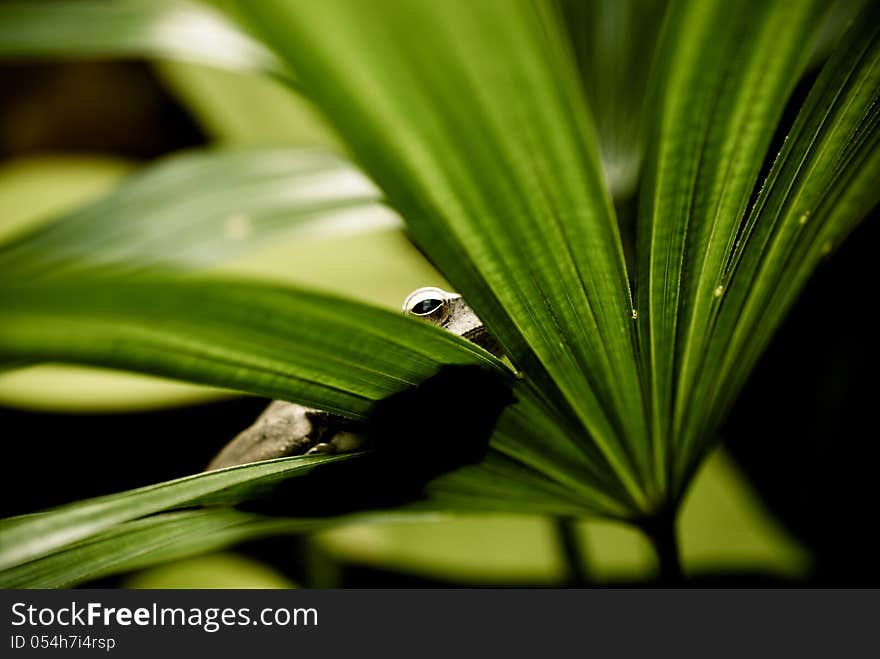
(823, 182)
(267, 340)
(493, 162)
(105, 535)
(91, 538)
(725, 72)
(29, 537)
(145, 542)
(472, 119)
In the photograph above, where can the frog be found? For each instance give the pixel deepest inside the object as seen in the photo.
(286, 429)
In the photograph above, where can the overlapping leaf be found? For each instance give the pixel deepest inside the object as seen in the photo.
(492, 160)
(471, 118)
(105, 535)
(29, 537)
(318, 350)
(109, 534)
(823, 182)
(725, 73)
(146, 542)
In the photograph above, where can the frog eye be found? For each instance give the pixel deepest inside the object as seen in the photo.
(429, 303)
(426, 307)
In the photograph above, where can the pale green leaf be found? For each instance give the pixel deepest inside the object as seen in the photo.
(234, 107)
(301, 216)
(202, 208)
(68, 389)
(36, 188)
(723, 526)
(209, 571)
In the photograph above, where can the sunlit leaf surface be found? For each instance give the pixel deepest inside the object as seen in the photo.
(268, 340)
(502, 188)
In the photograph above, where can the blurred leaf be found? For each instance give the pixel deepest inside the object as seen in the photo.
(77, 389)
(380, 266)
(240, 108)
(325, 352)
(835, 21)
(170, 29)
(481, 549)
(221, 570)
(474, 177)
(273, 341)
(34, 189)
(723, 527)
(100, 536)
(614, 43)
(297, 215)
(197, 209)
(110, 534)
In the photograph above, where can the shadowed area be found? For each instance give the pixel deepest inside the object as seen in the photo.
(442, 424)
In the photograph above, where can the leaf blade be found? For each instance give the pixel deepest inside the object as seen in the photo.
(142, 543)
(822, 183)
(724, 73)
(280, 342)
(614, 43)
(502, 187)
(30, 537)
